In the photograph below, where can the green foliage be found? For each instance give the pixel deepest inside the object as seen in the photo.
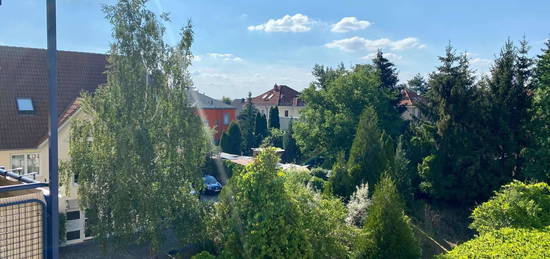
(274, 122)
(454, 133)
(370, 151)
(398, 169)
(341, 183)
(62, 228)
(226, 100)
(505, 243)
(322, 218)
(256, 217)
(538, 156)
(516, 205)
(231, 139)
(335, 101)
(260, 131)
(320, 172)
(247, 120)
(388, 230)
(139, 151)
(418, 84)
(292, 151)
(274, 139)
(203, 255)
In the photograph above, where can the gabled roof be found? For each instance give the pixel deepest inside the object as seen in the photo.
(279, 95)
(203, 101)
(409, 98)
(24, 73)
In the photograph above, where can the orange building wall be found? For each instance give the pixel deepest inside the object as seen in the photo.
(215, 120)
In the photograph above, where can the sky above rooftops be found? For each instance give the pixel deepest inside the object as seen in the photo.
(244, 46)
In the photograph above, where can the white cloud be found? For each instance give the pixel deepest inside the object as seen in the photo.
(349, 24)
(480, 61)
(295, 23)
(389, 55)
(359, 43)
(225, 57)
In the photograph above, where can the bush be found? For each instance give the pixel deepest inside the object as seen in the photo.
(505, 243)
(516, 205)
(203, 255)
(320, 172)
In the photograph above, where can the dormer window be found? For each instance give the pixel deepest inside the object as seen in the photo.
(25, 105)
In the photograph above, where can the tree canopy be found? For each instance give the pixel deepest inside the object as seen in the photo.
(138, 152)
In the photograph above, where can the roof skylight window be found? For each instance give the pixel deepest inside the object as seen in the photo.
(25, 105)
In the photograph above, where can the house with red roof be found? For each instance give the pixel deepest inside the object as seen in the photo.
(286, 99)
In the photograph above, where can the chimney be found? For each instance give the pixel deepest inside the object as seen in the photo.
(275, 87)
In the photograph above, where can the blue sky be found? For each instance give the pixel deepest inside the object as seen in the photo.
(250, 45)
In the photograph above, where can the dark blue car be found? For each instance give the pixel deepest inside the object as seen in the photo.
(211, 185)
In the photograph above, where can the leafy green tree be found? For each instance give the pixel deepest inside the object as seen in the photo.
(292, 151)
(256, 217)
(505, 243)
(138, 153)
(322, 217)
(370, 151)
(274, 139)
(247, 120)
(260, 131)
(328, 123)
(389, 232)
(231, 139)
(538, 155)
(516, 205)
(387, 75)
(418, 84)
(274, 118)
(398, 169)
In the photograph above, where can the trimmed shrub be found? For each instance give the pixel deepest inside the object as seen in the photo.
(505, 243)
(516, 205)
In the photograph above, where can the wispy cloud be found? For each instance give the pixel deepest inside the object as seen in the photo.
(389, 55)
(225, 57)
(360, 43)
(295, 23)
(349, 24)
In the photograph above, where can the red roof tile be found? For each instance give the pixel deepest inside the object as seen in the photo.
(24, 73)
(279, 95)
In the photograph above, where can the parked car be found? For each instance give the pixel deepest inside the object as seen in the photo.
(211, 185)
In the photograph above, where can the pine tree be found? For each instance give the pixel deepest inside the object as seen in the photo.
(341, 183)
(390, 112)
(260, 131)
(418, 84)
(274, 118)
(455, 170)
(369, 153)
(509, 107)
(538, 156)
(388, 230)
(247, 119)
(292, 151)
(231, 139)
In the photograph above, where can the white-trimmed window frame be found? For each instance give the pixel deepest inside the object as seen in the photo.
(26, 166)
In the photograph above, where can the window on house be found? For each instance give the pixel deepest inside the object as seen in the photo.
(73, 215)
(72, 235)
(27, 163)
(286, 113)
(226, 119)
(25, 105)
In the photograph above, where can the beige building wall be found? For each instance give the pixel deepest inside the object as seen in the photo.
(293, 112)
(68, 201)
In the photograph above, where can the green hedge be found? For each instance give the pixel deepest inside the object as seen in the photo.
(505, 243)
